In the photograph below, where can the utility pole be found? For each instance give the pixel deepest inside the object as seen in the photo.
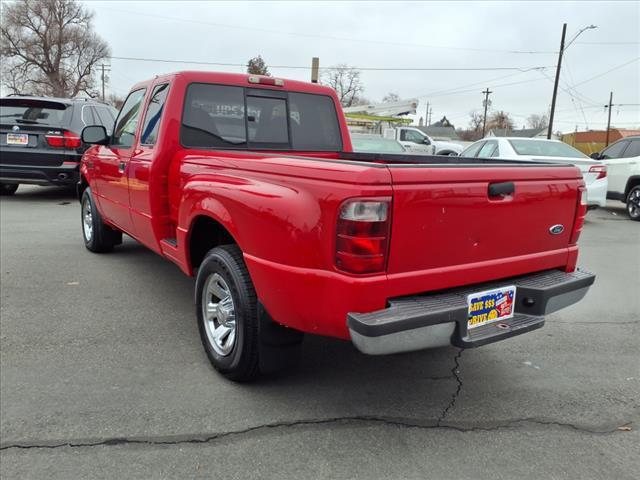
(429, 111)
(486, 92)
(104, 69)
(609, 120)
(555, 85)
(315, 66)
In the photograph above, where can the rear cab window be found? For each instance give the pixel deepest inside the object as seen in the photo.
(222, 116)
(545, 148)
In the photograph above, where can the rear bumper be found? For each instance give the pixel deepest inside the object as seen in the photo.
(597, 193)
(40, 175)
(435, 320)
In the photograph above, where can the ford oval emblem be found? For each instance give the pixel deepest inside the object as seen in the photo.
(556, 229)
(15, 128)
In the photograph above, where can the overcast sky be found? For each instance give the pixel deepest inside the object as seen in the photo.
(401, 35)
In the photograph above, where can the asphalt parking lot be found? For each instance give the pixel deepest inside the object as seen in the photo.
(102, 375)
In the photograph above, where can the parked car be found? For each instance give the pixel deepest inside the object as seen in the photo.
(40, 139)
(622, 159)
(416, 141)
(375, 144)
(554, 151)
(251, 184)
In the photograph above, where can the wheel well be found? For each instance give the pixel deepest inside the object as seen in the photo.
(81, 187)
(632, 182)
(206, 234)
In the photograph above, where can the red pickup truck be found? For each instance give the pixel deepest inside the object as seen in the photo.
(250, 184)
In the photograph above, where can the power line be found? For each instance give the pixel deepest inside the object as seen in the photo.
(328, 37)
(607, 71)
(308, 67)
(607, 43)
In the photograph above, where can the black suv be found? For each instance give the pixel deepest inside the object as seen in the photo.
(40, 138)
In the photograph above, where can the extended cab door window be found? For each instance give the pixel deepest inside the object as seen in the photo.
(125, 129)
(153, 115)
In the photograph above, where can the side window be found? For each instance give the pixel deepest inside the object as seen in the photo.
(487, 149)
(127, 121)
(152, 118)
(105, 118)
(633, 150)
(267, 121)
(411, 136)
(472, 150)
(213, 117)
(615, 150)
(87, 115)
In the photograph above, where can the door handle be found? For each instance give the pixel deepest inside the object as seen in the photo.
(502, 189)
(121, 167)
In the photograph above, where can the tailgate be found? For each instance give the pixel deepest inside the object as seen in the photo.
(443, 216)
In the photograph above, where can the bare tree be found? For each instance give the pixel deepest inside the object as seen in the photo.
(538, 121)
(49, 47)
(346, 82)
(391, 97)
(475, 121)
(257, 66)
(116, 100)
(500, 119)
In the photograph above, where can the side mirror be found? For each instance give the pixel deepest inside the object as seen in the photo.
(427, 141)
(596, 155)
(95, 135)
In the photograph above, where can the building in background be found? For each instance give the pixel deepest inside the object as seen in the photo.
(595, 140)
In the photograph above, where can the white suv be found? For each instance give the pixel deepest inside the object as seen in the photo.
(623, 165)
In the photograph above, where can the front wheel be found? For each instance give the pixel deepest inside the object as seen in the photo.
(98, 236)
(8, 188)
(633, 203)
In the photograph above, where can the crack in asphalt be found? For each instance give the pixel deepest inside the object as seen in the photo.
(455, 371)
(395, 422)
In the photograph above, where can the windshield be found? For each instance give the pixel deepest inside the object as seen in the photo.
(376, 145)
(545, 148)
(33, 111)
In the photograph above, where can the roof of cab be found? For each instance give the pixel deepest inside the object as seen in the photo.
(238, 79)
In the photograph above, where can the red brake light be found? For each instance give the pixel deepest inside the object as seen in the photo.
(600, 169)
(581, 211)
(276, 82)
(66, 140)
(362, 235)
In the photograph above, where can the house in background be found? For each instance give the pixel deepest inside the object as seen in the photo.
(595, 140)
(441, 130)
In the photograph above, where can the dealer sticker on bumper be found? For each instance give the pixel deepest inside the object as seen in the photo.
(490, 306)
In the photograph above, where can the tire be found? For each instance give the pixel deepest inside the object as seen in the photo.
(98, 236)
(633, 203)
(229, 327)
(8, 188)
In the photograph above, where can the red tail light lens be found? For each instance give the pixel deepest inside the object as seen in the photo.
(581, 211)
(363, 235)
(66, 140)
(601, 170)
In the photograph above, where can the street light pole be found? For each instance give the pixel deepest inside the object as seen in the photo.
(555, 85)
(609, 120)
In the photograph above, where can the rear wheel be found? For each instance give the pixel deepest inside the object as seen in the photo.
(98, 236)
(8, 188)
(227, 313)
(633, 203)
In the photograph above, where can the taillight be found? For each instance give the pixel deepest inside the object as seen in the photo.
(601, 170)
(66, 140)
(362, 236)
(581, 211)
